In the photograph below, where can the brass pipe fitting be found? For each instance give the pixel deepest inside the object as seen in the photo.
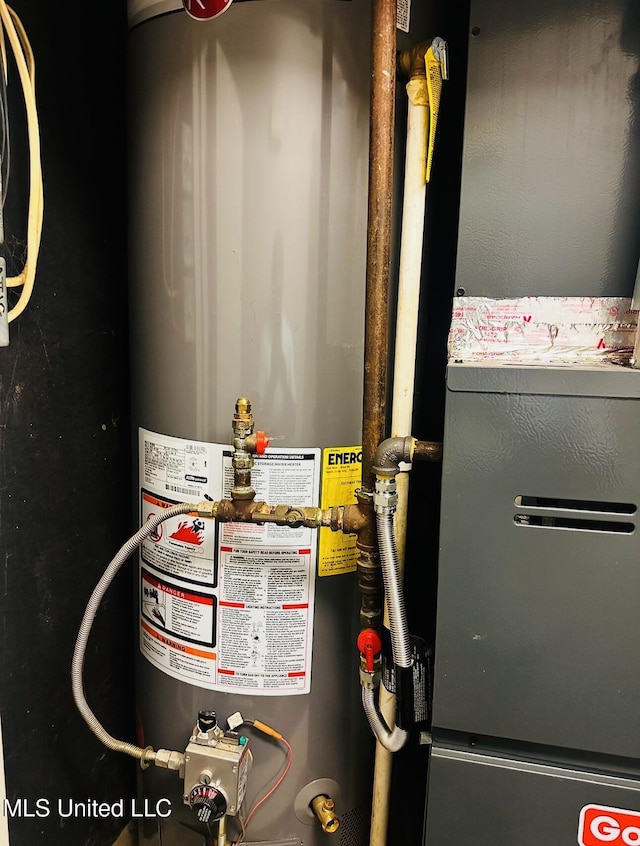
(355, 519)
(242, 460)
(368, 562)
(324, 809)
(250, 511)
(288, 515)
(411, 62)
(243, 418)
(358, 518)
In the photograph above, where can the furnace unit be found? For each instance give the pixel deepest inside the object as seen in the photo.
(537, 671)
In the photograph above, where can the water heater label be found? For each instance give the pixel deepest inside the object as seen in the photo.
(341, 475)
(227, 606)
(602, 824)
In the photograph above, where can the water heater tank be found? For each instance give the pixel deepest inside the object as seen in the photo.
(248, 138)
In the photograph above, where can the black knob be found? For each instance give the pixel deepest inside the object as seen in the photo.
(207, 720)
(208, 803)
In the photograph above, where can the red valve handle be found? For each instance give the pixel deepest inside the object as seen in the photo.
(262, 442)
(370, 645)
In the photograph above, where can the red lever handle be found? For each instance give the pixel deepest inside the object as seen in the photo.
(370, 645)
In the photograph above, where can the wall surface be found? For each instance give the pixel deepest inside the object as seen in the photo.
(64, 432)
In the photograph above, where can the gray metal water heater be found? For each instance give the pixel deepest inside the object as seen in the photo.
(248, 139)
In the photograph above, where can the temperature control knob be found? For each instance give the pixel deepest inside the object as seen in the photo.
(208, 803)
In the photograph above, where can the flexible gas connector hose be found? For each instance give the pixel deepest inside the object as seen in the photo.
(91, 610)
(392, 739)
(394, 596)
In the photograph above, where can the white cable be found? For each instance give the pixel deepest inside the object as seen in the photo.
(93, 605)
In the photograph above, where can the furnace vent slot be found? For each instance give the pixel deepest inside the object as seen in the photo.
(573, 523)
(575, 504)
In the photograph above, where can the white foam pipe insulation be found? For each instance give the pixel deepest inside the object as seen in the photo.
(406, 333)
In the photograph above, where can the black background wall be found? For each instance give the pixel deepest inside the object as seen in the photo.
(64, 430)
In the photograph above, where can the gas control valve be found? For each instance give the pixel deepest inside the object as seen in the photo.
(216, 766)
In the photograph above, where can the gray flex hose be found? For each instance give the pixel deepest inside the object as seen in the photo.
(393, 593)
(386, 465)
(91, 610)
(394, 739)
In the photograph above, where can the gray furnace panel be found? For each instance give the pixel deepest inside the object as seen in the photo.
(489, 800)
(538, 630)
(551, 158)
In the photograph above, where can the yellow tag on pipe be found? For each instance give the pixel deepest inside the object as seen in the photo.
(434, 86)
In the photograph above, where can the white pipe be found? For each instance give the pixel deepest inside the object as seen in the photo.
(413, 212)
(412, 236)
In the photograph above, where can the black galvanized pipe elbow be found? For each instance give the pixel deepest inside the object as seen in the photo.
(390, 453)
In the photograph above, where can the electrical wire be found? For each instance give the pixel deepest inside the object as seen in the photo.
(11, 25)
(5, 147)
(244, 823)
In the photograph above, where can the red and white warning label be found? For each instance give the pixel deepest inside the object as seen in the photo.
(227, 606)
(182, 546)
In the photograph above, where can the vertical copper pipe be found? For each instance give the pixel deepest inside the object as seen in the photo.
(381, 139)
(376, 338)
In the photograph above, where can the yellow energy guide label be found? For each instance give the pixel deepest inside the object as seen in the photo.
(341, 476)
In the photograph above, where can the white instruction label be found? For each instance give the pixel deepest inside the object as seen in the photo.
(403, 15)
(227, 606)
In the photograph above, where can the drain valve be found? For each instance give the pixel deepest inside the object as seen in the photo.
(323, 807)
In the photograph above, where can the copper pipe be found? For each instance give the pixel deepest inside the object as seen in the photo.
(381, 143)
